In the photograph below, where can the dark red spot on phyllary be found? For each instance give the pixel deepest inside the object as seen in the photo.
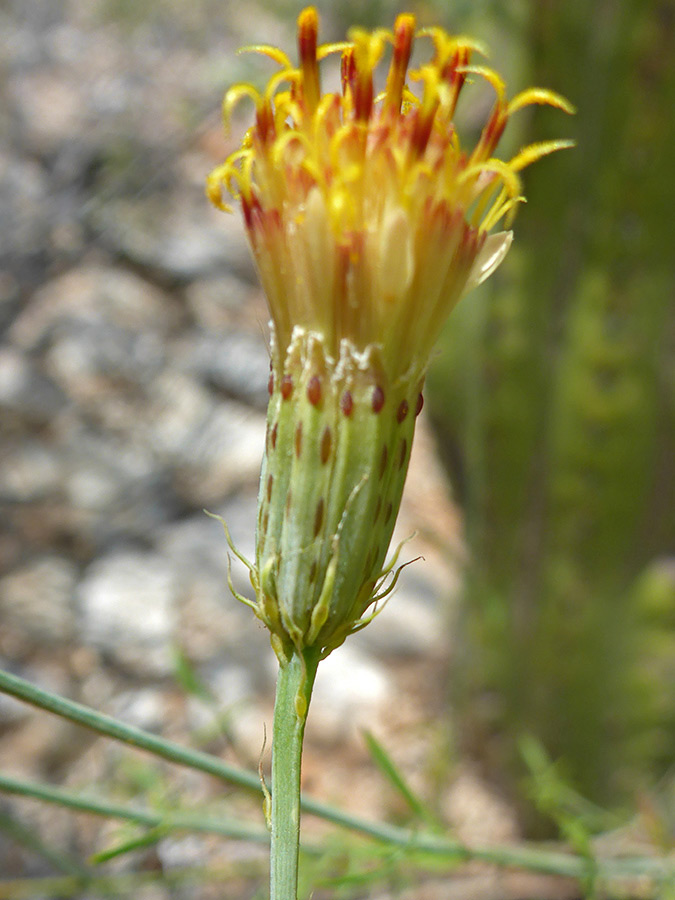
(273, 436)
(420, 404)
(377, 400)
(402, 411)
(387, 516)
(403, 453)
(383, 460)
(326, 445)
(286, 386)
(318, 516)
(314, 390)
(347, 403)
(270, 483)
(270, 384)
(298, 439)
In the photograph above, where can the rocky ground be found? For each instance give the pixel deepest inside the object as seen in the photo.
(133, 373)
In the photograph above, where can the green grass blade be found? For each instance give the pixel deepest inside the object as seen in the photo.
(189, 680)
(141, 842)
(394, 776)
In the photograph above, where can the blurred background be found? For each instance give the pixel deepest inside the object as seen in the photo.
(133, 373)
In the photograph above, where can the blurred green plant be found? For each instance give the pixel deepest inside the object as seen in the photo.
(344, 863)
(554, 396)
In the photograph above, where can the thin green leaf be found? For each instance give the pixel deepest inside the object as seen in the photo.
(197, 820)
(188, 679)
(394, 776)
(151, 837)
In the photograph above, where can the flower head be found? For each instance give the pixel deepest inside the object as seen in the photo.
(367, 216)
(368, 220)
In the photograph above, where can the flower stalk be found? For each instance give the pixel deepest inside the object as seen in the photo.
(294, 689)
(368, 221)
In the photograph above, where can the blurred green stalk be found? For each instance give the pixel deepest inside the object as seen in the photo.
(555, 394)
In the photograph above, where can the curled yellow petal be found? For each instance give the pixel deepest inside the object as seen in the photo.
(268, 50)
(542, 97)
(234, 96)
(533, 152)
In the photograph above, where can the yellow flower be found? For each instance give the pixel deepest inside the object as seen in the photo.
(368, 220)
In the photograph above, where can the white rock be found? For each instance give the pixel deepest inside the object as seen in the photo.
(91, 295)
(145, 708)
(411, 624)
(349, 688)
(222, 454)
(232, 690)
(39, 598)
(127, 603)
(177, 406)
(29, 472)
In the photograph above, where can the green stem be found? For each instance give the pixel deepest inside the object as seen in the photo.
(294, 690)
(532, 858)
(169, 821)
(127, 734)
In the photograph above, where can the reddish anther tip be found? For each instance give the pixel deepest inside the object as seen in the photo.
(404, 32)
(424, 123)
(265, 122)
(347, 403)
(420, 404)
(308, 30)
(363, 96)
(402, 411)
(286, 387)
(378, 399)
(247, 209)
(494, 129)
(347, 69)
(314, 390)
